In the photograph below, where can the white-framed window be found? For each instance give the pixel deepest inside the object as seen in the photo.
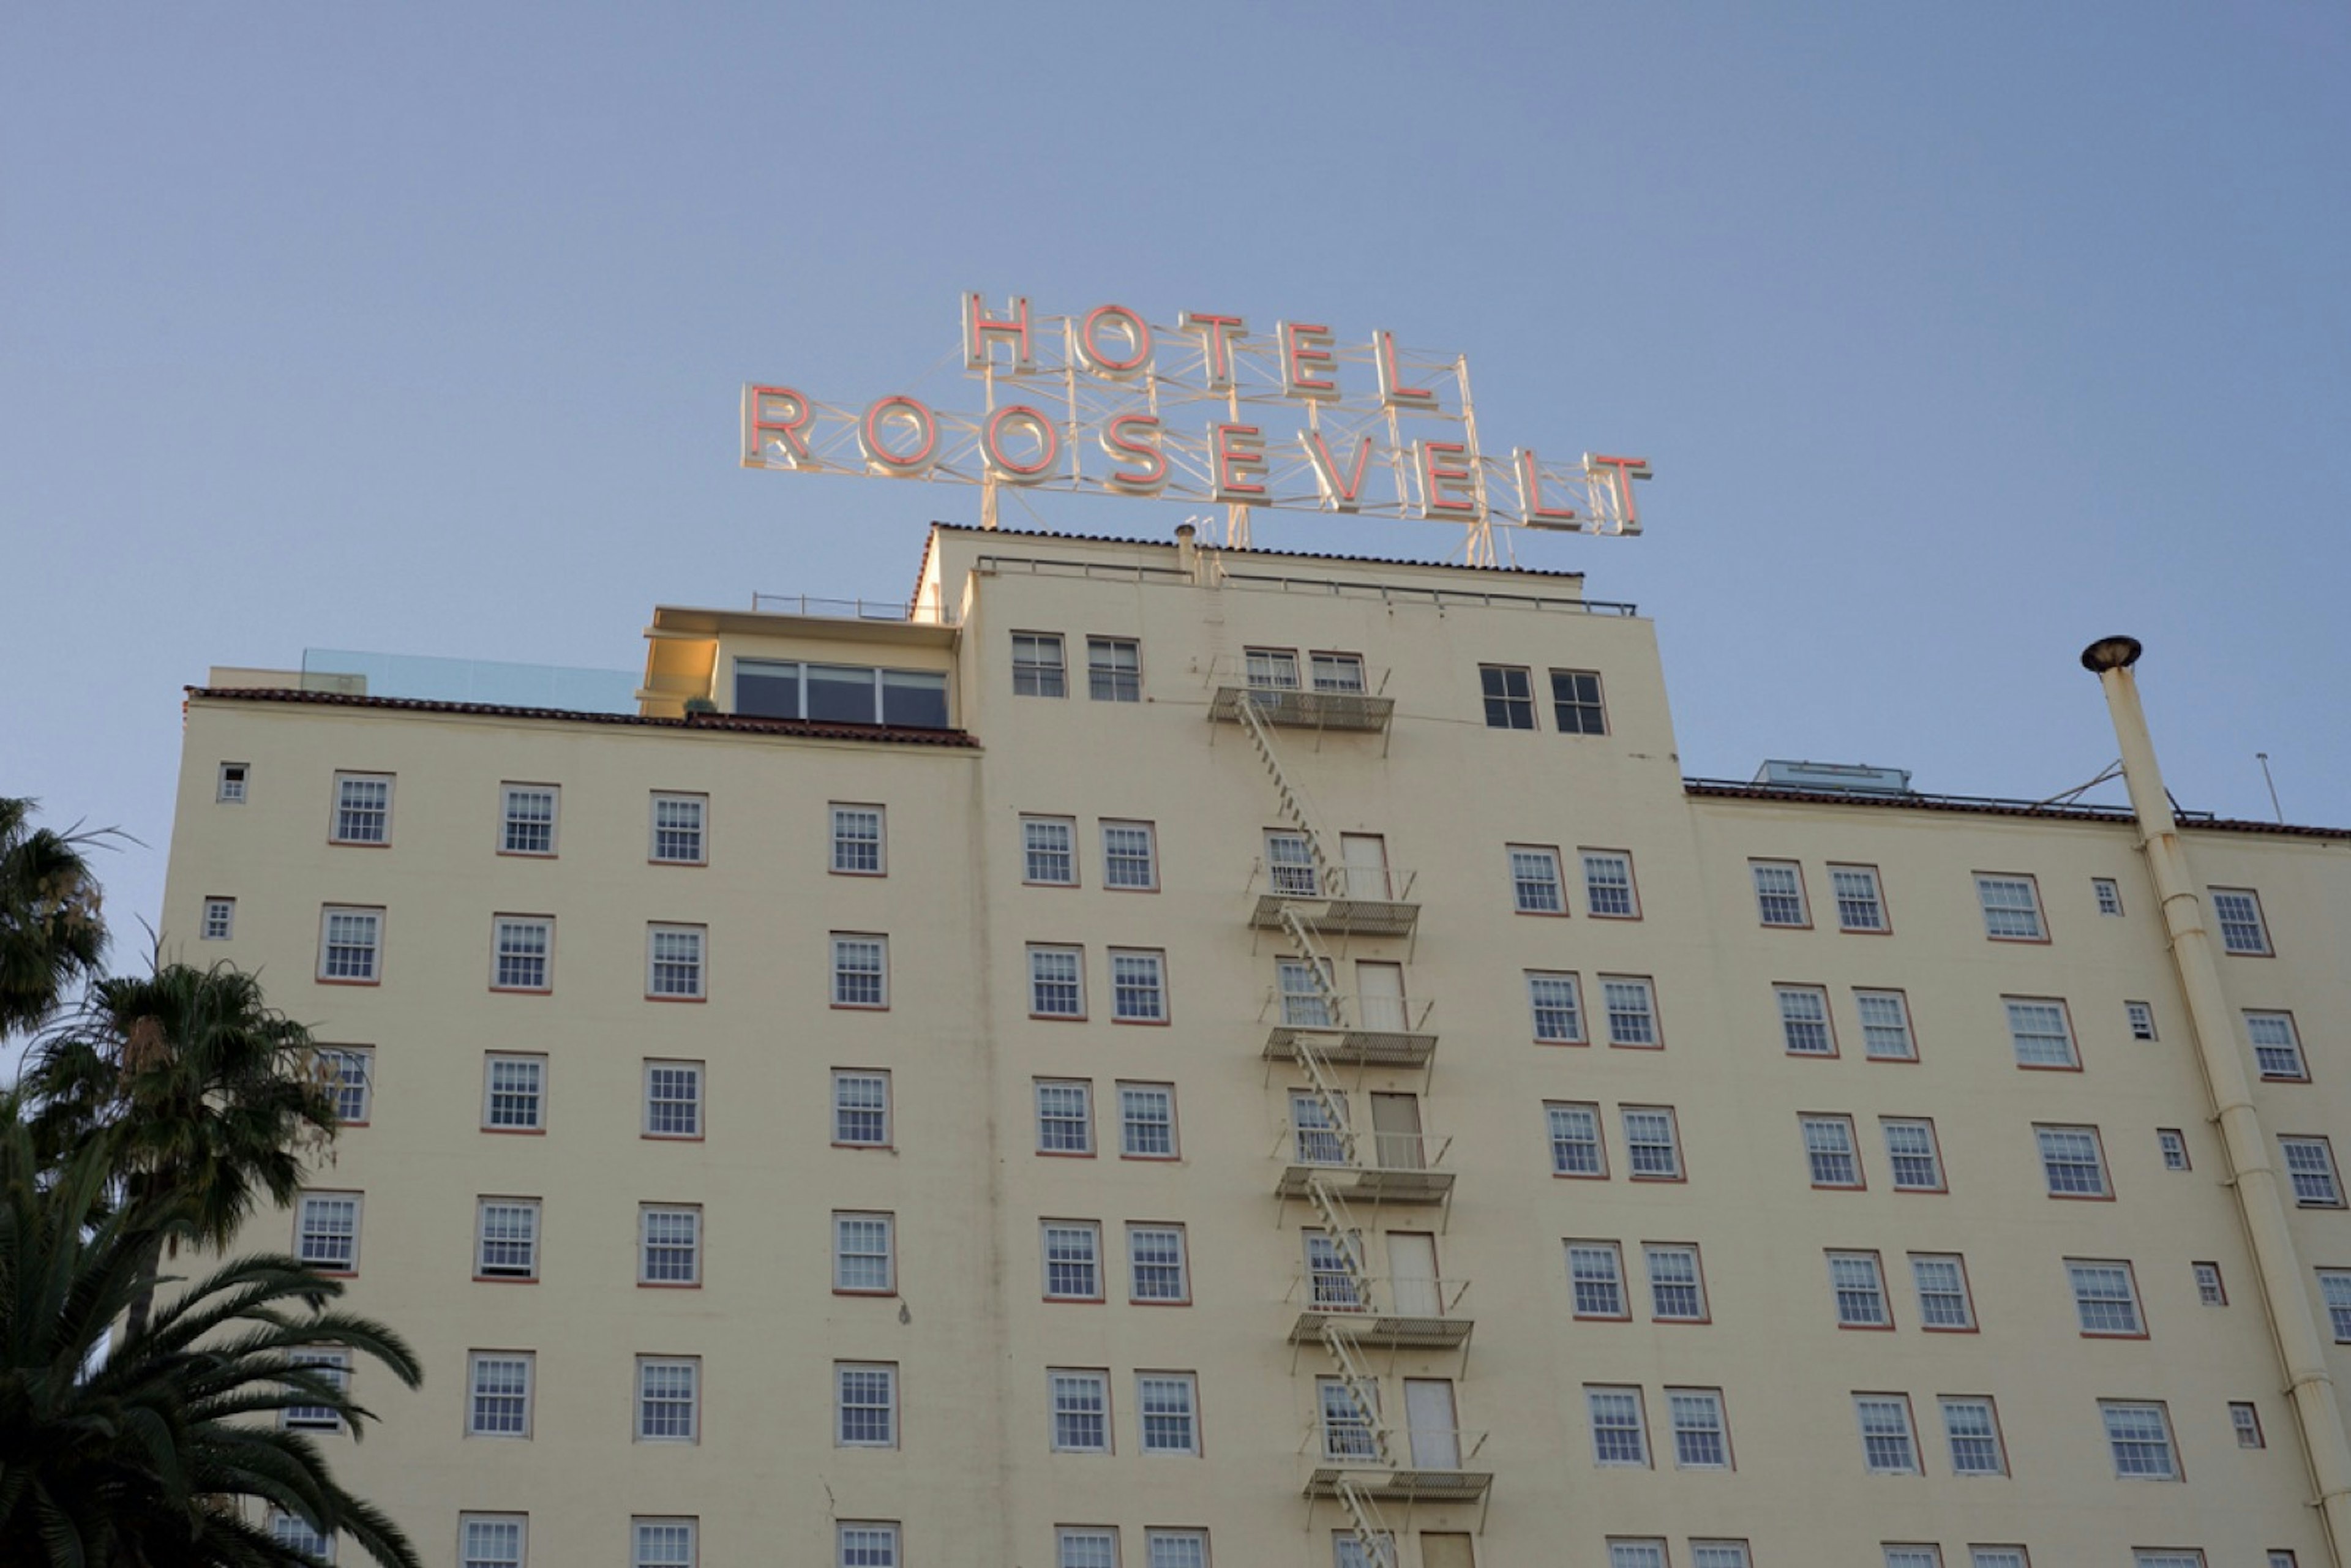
(1676, 1283)
(1575, 704)
(506, 1238)
(1167, 1405)
(1619, 1434)
(1535, 886)
(2108, 895)
(1084, 1547)
(1073, 1251)
(527, 819)
(865, 1543)
(514, 1093)
(1575, 1147)
(2277, 1047)
(1861, 904)
(1065, 1116)
(332, 1368)
(1941, 1279)
(1595, 1276)
(2140, 1017)
(1911, 1149)
(669, 1398)
(1081, 1403)
(1305, 990)
(1609, 891)
(1780, 893)
(1829, 1151)
(2242, 929)
(1558, 1007)
(492, 1540)
(1347, 1427)
(294, 1532)
(2106, 1298)
(1971, 1427)
(1332, 1266)
(1644, 1551)
(1138, 985)
(2310, 1162)
(669, 1244)
(2335, 1289)
(1113, 669)
(1146, 1121)
(1037, 670)
(1320, 1127)
(864, 1259)
(1889, 1446)
(1130, 853)
(220, 920)
(363, 808)
(229, 783)
(2038, 1028)
(861, 970)
(2011, 907)
(859, 845)
(861, 1108)
(2138, 1434)
(1155, 1266)
(1804, 1020)
(1509, 694)
(1631, 1003)
(673, 1099)
(2072, 1161)
(327, 1231)
(679, 828)
(350, 944)
(1885, 1026)
(1271, 669)
(673, 961)
(865, 1403)
(1859, 1285)
(522, 953)
(1337, 672)
(2173, 1143)
(2167, 1557)
(2209, 1289)
(1290, 863)
(663, 1542)
(1702, 1435)
(1921, 1555)
(2246, 1422)
(1048, 854)
(348, 1074)
(499, 1388)
(1175, 1549)
(1719, 1554)
(1653, 1150)
(1057, 985)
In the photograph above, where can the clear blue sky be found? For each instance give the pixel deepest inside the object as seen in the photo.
(1958, 335)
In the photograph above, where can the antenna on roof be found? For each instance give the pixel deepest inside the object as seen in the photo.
(2263, 758)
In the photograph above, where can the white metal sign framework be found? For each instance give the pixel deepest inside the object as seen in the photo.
(1107, 404)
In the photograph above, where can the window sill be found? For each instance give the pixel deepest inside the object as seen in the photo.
(324, 981)
(528, 855)
(671, 1137)
(517, 1132)
(651, 997)
(504, 1279)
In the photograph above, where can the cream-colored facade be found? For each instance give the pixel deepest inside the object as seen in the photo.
(1627, 1295)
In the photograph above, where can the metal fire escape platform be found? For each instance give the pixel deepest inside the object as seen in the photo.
(1382, 1330)
(1342, 1045)
(1356, 712)
(1337, 916)
(1368, 1183)
(1401, 1486)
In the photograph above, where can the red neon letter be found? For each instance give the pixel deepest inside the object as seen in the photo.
(978, 327)
(1622, 472)
(1137, 332)
(1213, 331)
(1143, 443)
(1302, 345)
(1532, 510)
(1391, 388)
(1437, 476)
(1048, 445)
(914, 417)
(760, 407)
(1339, 495)
(1239, 450)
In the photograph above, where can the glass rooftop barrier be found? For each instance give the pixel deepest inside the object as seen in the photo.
(429, 679)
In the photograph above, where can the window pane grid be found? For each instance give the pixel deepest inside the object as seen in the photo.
(1127, 857)
(677, 829)
(1037, 668)
(1885, 1026)
(673, 1101)
(1886, 1443)
(330, 1232)
(2103, 1298)
(1632, 1012)
(677, 963)
(1942, 1292)
(868, 1401)
(665, 1399)
(363, 810)
(1617, 1437)
(1081, 1412)
(857, 839)
(517, 1090)
(1574, 1140)
(1146, 1121)
(501, 1396)
(2140, 1439)
(1911, 1146)
(1804, 1020)
(1167, 1414)
(530, 823)
(2040, 1033)
(2069, 1159)
(1860, 1291)
(1113, 670)
(857, 972)
(861, 1252)
(1155, 1254)
(1608, 885)
(1779, 895)
(1595, 1274)
(1534, 877)
(1065, 1118)
(1138, 988)
(1675, 1292)
(351, 944)
(1047, 855)
(1649, 1146)
(2011, 910)
(1072, 1262)
(1828, 1149)
(1054, 990)
(1575, 703)
(1509, 696)
(509, 1244)
(1974, 1437)
(673, 1245)
(1859, 907)
(1699, 1440)
(1558, 1010)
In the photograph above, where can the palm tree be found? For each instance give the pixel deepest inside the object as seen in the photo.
(50, 933)
(148, 1458)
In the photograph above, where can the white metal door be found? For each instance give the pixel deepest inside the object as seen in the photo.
(1365, 856)
(1412, 1275)
(1428, 1414)
(1380, 995)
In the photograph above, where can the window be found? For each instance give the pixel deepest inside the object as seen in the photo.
(1169, 1406)
(2109, 896)
(1320, 1127)
(1337, 672)
(1804, 1020)
(1305, 994)
(1595, 1274)
(1911, 1146)
(663, 1542)
(1056, 986)
(1861, 907)
(1073, 1260)
(1618, 1434)
(363, 808)
(1037, 668)
(2141, 1018)
(674, 962)
(1081, 1411)
(2106, 1298)
(1860, 1289)
(857, 841)
(1649, 1552)
(1509, 696)
(1921, 1556)
(1632, 1006)
(1780, 893)
(229, 789)
(2140, 1436)
(293, 1532)
(351, 945)
(865, 1543)
(1113, 670)
(1885, 1026)
(349, 1074)
(1065, 1116)
(1346, 1426)
(1332, 1266)
(1085, 1548)
(1534, 881)
(1146, 1121)
(1829, 1151)
(1701, 1439)
(668, 1248)
(1676, 1284)
(1558, 1010)
(332, 1368)
(860, 971)
(1048, 851)
(1347, 1551)
(672, 1099)
(2039, 1030)
(1941, 1279)
(1155, 1263)
(2174, 1144)
(521, 953)
(514, 1093)
(1175, 1549)
(2012, 908)
(865, 1405)
(678, 829)
(1138, 986)
(1290, 864)
(2072, 1161)
(2209, 1291)
(1575, 704)
(327, 1231)
(2277, 1049)
(1652, 1153)
(2243, 930)
(491, 1539)
(2190, 1558)
(505, 1244)
(1130, 857)
(1996, 1557)
(526, 820)
(864, 1261)
(1575, 1148)
(2246, 1422)
(1271, 669)
(220, 919)
(499, 1401)
(1719, 1554)
(2310, 1163)
(1888, 1446)
(1608, 890)
(667, 1399)
(861, 1108)
(842, 694)
(2334, 1286)
(1973, 1433)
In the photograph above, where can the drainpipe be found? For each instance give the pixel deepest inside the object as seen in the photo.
(2260, 1200)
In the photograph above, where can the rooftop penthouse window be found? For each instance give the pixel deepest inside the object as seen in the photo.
(841, 694)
